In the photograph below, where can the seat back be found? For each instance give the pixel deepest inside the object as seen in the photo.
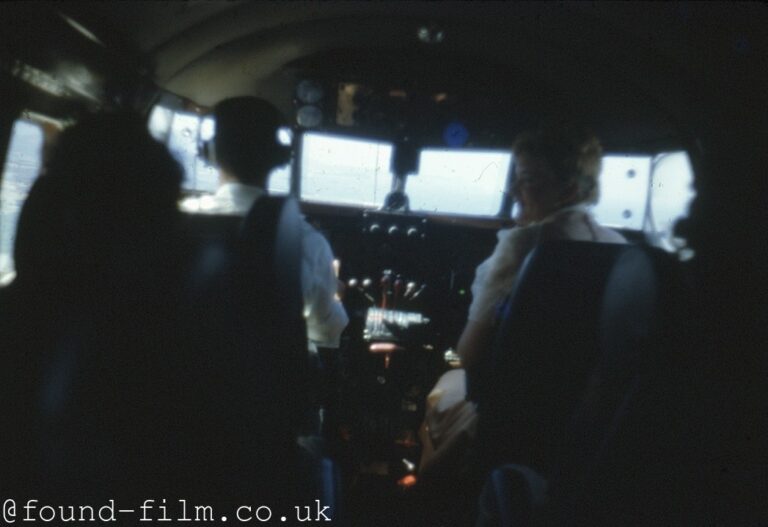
(628, 453)
(544, 349)
(203, 405)
(630, 345)
(269, 270)
(632, 444)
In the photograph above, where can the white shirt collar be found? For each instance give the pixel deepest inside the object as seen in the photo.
(578, 207)
(235, 190)
(237, 197)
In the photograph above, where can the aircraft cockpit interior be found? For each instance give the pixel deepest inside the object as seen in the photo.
(382, 263)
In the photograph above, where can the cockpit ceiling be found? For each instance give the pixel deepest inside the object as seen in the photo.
(632, 71)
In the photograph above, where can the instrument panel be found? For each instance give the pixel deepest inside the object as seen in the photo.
(407, 293)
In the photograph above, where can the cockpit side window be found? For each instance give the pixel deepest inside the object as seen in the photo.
(182, 132)
(623, 191)
(22, 166)
(671, 195)
(646, 193)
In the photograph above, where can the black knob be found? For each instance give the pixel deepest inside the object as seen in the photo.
(413, 232)
(394, 230)
(375, 228)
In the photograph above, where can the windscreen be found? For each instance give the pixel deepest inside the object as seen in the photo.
(345, 171)
(459, 182)
(638, 192)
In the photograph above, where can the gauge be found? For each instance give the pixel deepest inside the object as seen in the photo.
(309, 116)
(309, 92)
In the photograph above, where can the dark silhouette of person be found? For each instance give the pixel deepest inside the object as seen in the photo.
(93, 307)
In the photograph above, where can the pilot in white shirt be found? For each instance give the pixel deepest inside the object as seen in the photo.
(556, 180)
(246, 151)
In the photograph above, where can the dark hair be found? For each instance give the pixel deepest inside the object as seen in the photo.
(117, 184)
(246, 141)
(573, 154)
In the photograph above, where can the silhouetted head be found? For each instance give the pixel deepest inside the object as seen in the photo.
(246, 142)
(117, 187)
(555, 168)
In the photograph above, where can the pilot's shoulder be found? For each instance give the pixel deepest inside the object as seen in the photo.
(508, 238)
(611, 236)
(314, 243)
(513, 244)
(310, 231)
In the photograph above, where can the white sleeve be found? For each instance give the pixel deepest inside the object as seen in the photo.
(495, 277)
(325, 316)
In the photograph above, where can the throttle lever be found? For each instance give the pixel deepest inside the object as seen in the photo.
(384, 290)
(398, 290)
